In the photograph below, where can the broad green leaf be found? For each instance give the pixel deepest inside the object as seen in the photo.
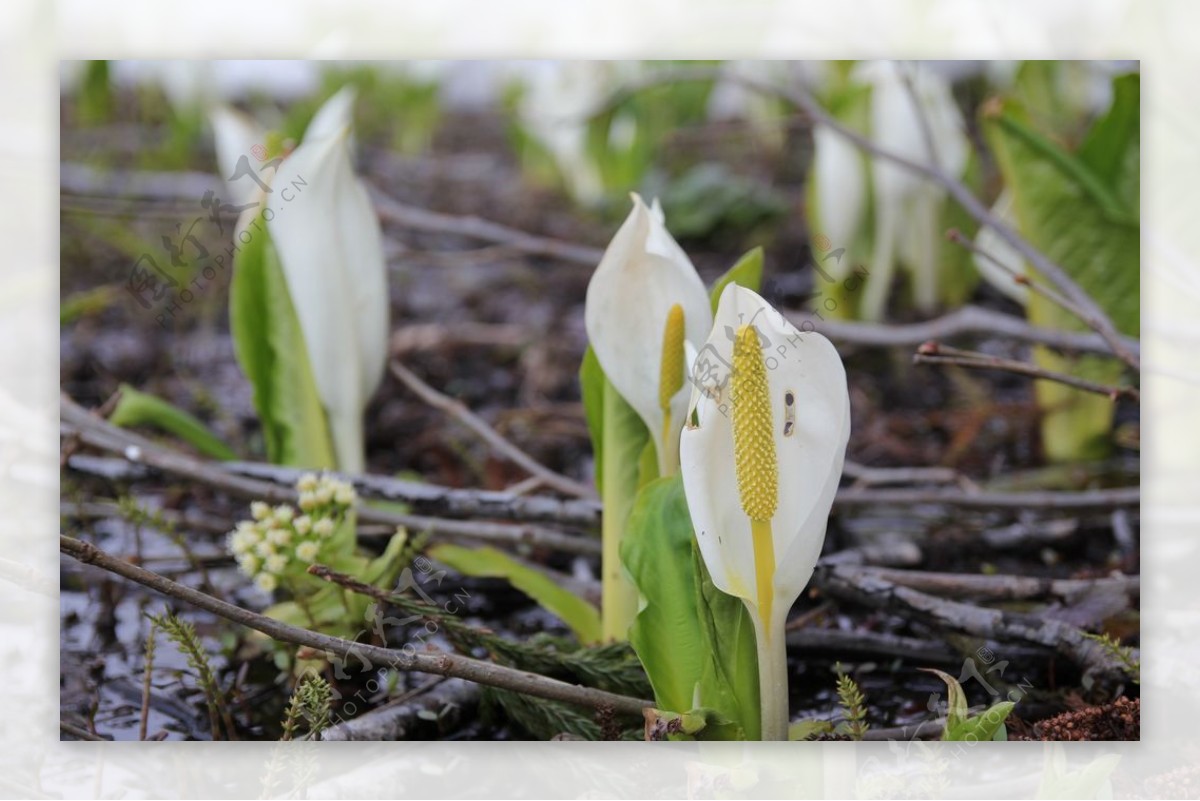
(142, 409)
(383, 569)
(667, 633)
(270, 347)
(746, 272)
(695, 642)
(1112, 146)
(1065, 209)
(729, 679)
(981, 728)
(808, 729)
(578, 614)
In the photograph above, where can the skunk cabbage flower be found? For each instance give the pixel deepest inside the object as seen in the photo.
(323, 226)
(907, 206)
(761, 457)
(645, 305)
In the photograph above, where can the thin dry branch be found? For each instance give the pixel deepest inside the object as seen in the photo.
(441, 664)
(494, 440)
(964, 320)
(936, 353)
(393, 211)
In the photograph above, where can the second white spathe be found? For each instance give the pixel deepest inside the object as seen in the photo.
(330, 246)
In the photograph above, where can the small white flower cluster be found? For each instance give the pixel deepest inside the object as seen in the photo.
(278, 539)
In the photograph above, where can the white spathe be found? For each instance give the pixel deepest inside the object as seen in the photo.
(327, 235)
(642, 275)
(997, 247)
(839, 173)
(810, 453)
(907, 206)
(235, 136)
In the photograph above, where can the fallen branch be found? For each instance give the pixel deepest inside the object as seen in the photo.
(1046, 499)
(441, 664)
(964, 320)
(1003, 588)
(935, 353)
(93, 431)
(993, 624)
(495, 441)
(449, 699)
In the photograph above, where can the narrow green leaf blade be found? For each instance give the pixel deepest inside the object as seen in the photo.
(578, 614)
(143, 409)
(270, 347)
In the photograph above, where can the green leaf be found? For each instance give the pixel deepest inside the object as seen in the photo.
(1112, 146)
(1065, 208)
(270, 347)
(695, 642)
(619, 439)
(729, 679)
(141, 409)
(591, 386)
(746, 272)
(956, 703)
(808, 729)
(985, 726)
(578, 614)
(666, 633)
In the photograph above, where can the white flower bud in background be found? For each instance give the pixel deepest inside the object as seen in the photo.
(279, 536)
(275, 563)
(284, 513)
(307, 482)
(267, 582)
(302, 524)
(259, 510)
(307, 551)
(323, 527)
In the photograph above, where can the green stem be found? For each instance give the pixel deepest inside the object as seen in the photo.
(619, 598)
(772, 674)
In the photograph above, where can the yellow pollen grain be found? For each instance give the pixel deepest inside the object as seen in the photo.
(755, 462)
(671, 378)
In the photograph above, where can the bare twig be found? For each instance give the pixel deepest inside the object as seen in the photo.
(79, 732)
(964, 320)
(441, 664)
(495, 441)
(875, 476)
(935, 353)
(397, 213)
